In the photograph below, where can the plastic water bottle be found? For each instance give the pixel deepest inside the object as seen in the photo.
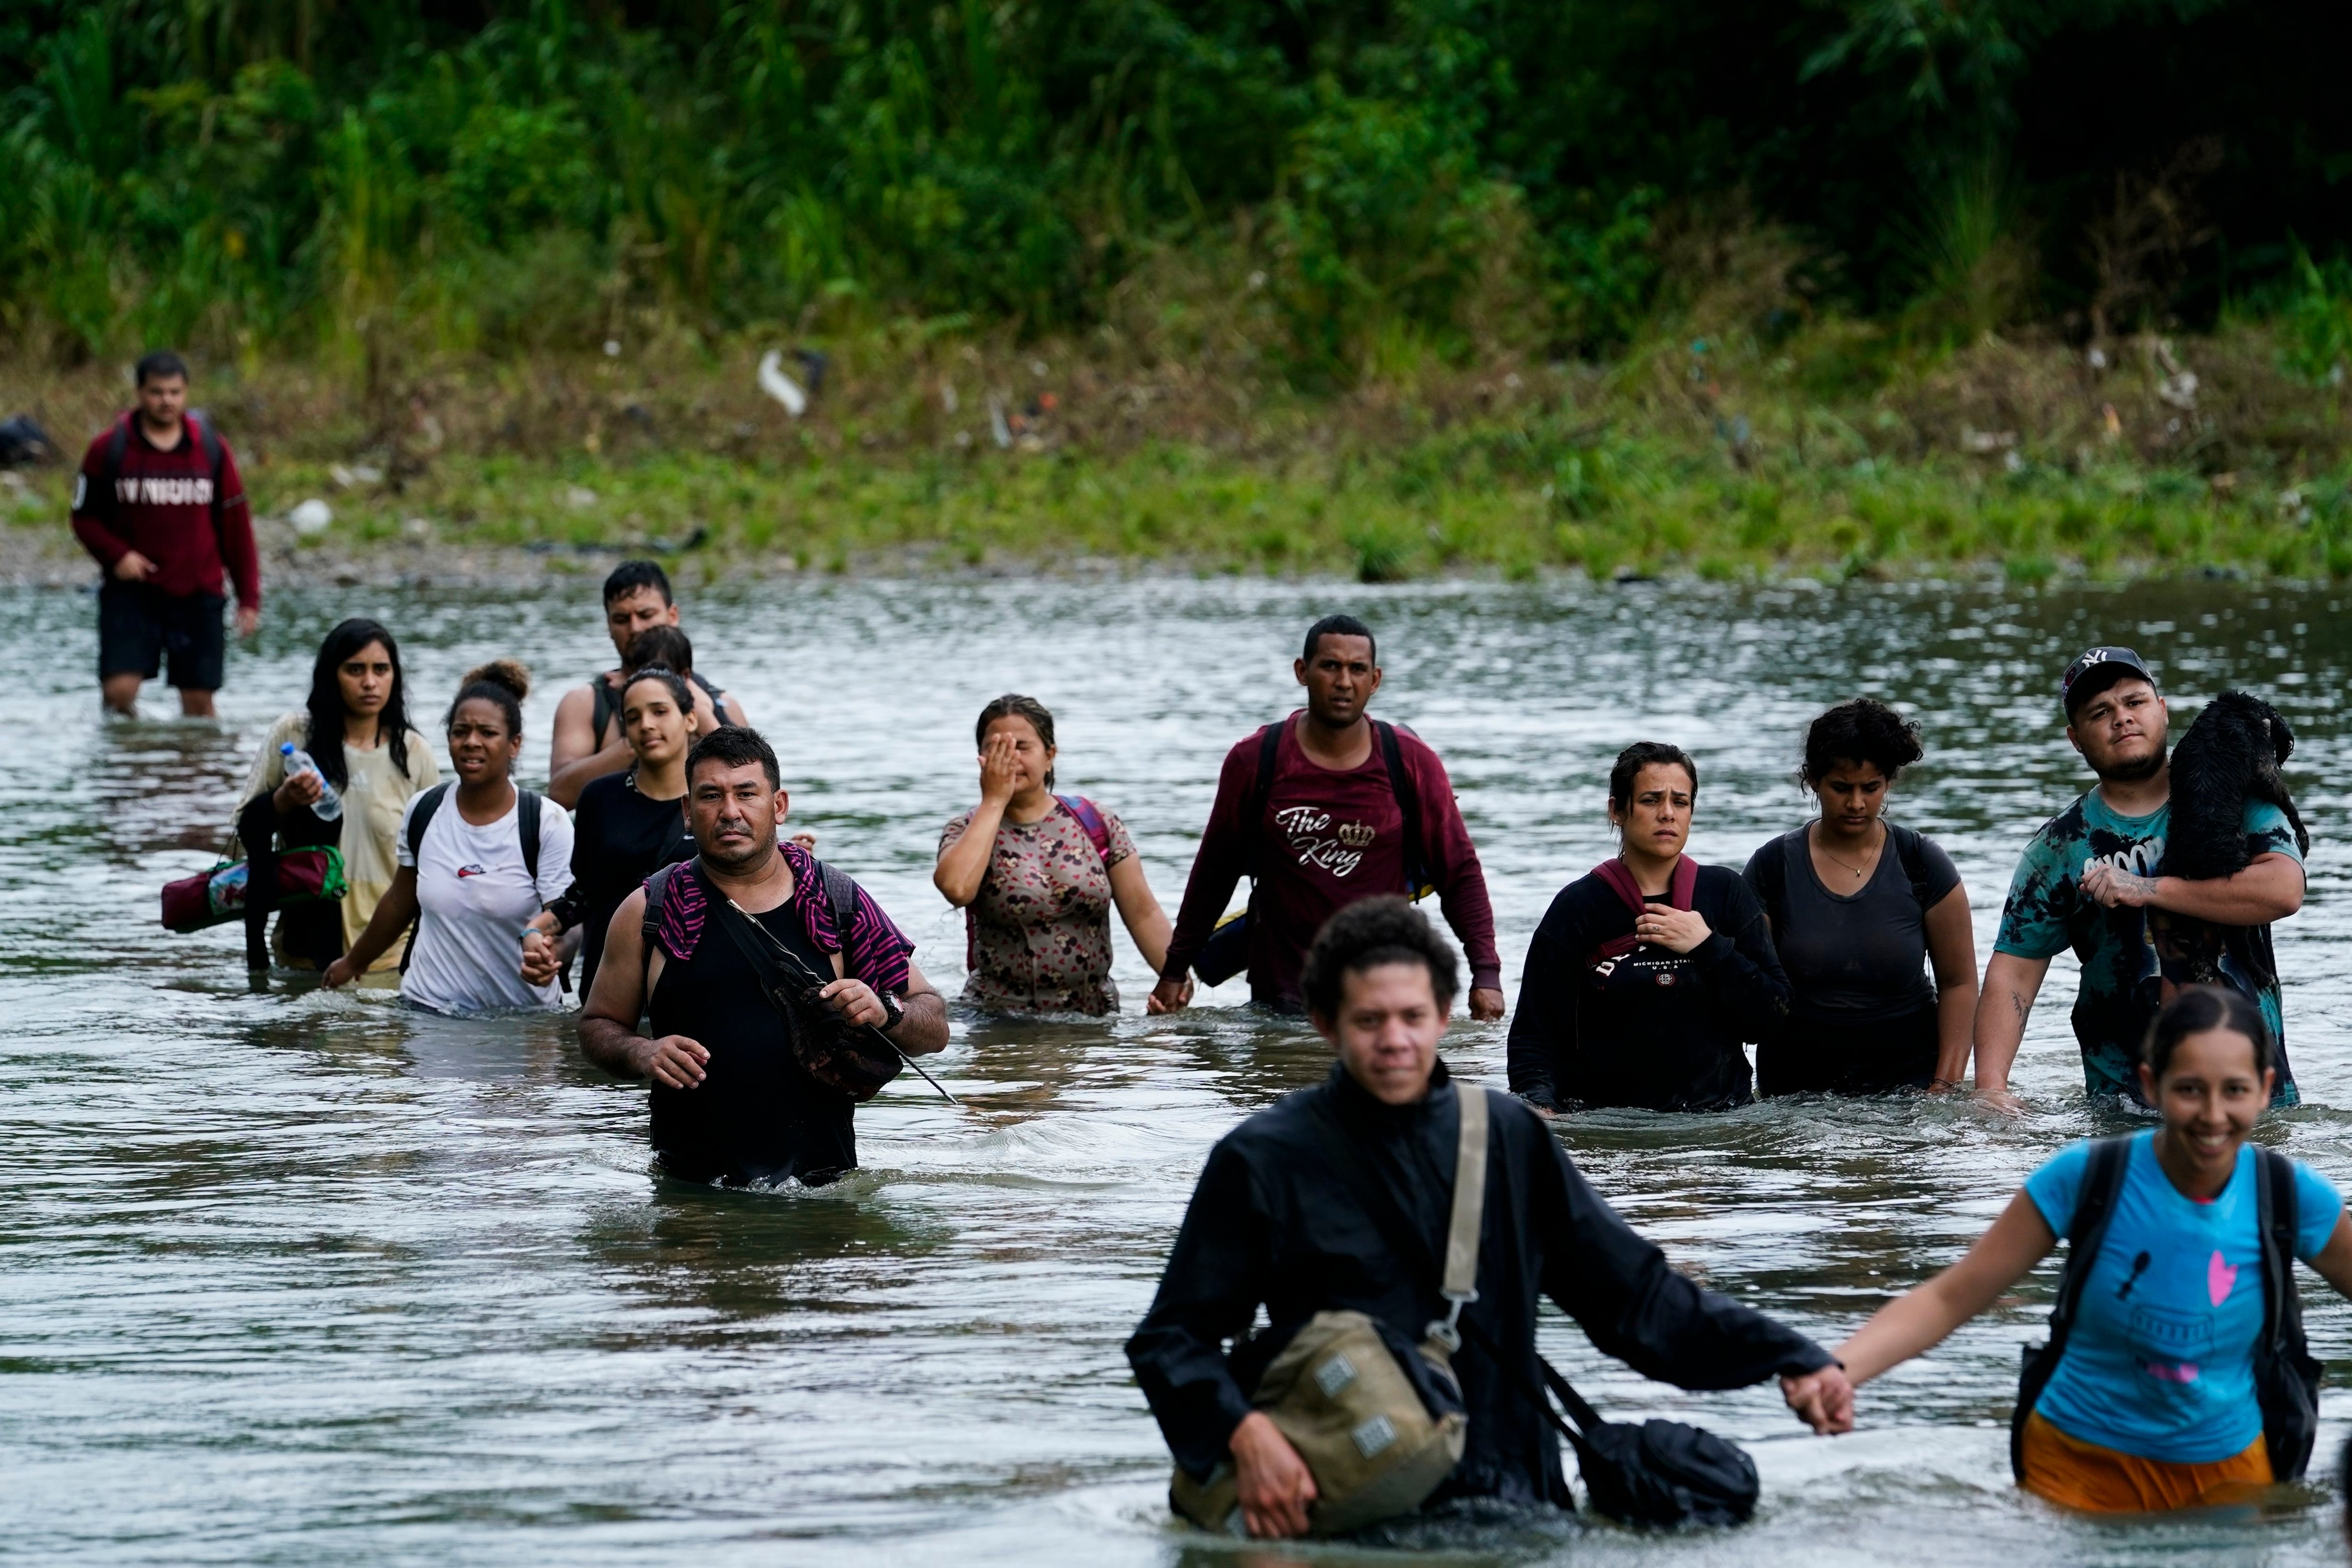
(329, 806)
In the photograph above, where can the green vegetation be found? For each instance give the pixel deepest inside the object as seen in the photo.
(1868, 285)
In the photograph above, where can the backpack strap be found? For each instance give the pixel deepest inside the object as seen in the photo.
(1269, 748)
(2102, 1182)
(1090, 819)
(1418, 884)
(526, 807)
(2286, 1379)
(657, 887)
(1911, 853)
(420, 817)
(841, 892)
(1772, 873)
(1682, 891)
(209, 441)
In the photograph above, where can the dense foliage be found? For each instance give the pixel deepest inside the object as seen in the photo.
(530, 174)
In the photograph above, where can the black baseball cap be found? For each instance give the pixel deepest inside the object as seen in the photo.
(2096, 670)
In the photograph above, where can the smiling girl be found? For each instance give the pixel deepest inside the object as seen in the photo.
(465, 879)
(1646, 976)
(2157, 1399)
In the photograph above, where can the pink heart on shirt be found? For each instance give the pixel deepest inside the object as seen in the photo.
(2220, 1278)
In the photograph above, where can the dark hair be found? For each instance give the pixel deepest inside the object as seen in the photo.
(2195, 1009)
(1338, 626)
(502, 682)
(158, 362)
(1863, 731)
(1012, 705)
(631, 575)
(732, 746)
(1642, 754)
(659, 645)
(671, 680)
(1365, 935)
(326, 704)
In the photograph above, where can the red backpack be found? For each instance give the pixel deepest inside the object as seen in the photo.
(1090, 819)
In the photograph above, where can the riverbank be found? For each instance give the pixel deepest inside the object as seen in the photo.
(1833, 452)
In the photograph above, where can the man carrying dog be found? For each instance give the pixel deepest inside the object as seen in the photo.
(743, 1093)
(1285, 1216)
(2092, 880)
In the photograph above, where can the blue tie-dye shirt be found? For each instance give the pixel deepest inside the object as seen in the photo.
(2133, 959)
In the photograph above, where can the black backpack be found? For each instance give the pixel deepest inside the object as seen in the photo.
(2286, 1378)
(526, 803)
(1772, 882)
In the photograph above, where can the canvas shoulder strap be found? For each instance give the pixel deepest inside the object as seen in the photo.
(1269, 750)
(1459, 1284)
(2103, 1182)
(841, 893)
(1772, 873)
(657, 887)
(1091, 819)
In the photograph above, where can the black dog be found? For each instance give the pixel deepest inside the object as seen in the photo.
(2231, 755)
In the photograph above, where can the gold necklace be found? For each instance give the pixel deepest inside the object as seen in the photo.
(1858, 871)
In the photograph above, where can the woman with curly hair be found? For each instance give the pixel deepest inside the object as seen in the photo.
(1861, 908)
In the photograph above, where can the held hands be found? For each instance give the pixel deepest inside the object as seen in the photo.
(1676, 931)
(673, 1061)
(1823, 1399)
(2106, 884)
(1275, 1485)
(999, 776)
(539, 960)
(1170, 996)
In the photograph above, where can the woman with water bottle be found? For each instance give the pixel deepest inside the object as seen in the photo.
(340, 770)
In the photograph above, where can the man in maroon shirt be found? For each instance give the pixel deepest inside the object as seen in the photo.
(1310, 810)
(159, 504)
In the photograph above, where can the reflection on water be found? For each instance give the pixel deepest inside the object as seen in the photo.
(291, 1277)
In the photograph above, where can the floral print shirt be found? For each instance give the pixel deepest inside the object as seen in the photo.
(1039, 932)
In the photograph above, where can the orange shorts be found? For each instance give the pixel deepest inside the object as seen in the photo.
(2073, 1473)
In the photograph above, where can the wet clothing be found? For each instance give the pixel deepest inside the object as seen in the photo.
(619, 837)
(758, 1116)
(1859, 984)
(2160, 1362)
(376, 794)
(1272, 1222)
(144, 631)
(1650, 1029)
(2134, 960)
(172, 507)
(2075, 1474)
(474, 896)
(1328, 837)
(1040, 927)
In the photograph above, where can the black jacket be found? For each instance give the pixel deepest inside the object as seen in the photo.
(1272, 1222)
(1654, 1028)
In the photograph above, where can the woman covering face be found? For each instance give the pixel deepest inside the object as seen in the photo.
(1647, 976)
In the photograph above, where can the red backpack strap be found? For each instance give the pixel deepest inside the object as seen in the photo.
(1090, 819)
(1684, 886)
(1620, 882)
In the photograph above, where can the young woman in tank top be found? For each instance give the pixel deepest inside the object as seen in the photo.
(1861, 909)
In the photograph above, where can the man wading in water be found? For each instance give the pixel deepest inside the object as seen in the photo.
(588, 742)
(2091, 880)
(1273, 1222)
(732, 1099)
(1322, 809)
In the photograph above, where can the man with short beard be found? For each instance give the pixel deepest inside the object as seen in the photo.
(731, 1100)
(2092, 880)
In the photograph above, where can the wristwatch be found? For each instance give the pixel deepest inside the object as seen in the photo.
(893, 1015)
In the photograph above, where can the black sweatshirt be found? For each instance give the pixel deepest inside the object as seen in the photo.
(1272, 1222)
(1655, 1029)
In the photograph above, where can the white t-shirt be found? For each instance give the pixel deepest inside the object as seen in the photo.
(476, 898)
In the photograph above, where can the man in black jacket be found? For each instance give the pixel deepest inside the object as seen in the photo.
(1273, 1222)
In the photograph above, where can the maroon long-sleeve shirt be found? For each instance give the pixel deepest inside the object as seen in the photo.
(1330, 836)
(171, 508)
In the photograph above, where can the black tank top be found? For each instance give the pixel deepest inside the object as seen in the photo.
(607, 698)
(757, 1116)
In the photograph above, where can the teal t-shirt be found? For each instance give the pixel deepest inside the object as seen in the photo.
(2133, 959)
(2162, 1360)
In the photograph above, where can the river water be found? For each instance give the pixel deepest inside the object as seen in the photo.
(297, 1278)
